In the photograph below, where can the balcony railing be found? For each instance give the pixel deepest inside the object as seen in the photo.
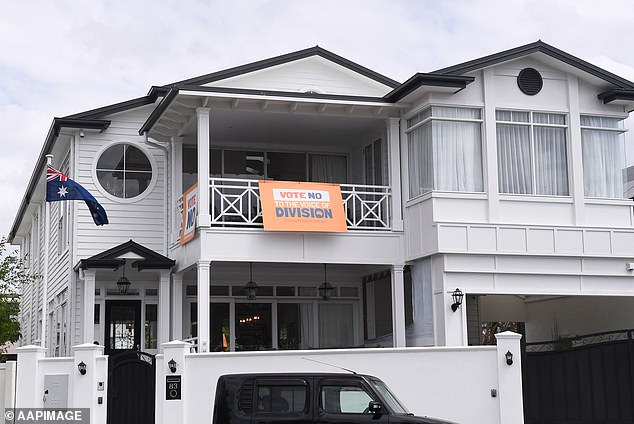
(236, 203)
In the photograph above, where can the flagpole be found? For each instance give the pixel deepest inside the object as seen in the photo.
(47, 236)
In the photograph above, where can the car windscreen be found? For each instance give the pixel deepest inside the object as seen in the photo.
(392, 401)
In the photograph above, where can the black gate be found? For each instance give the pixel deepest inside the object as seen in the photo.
(586, 379)
(131, 388)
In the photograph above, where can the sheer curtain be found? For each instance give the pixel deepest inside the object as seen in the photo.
(328, 169)
(551, 165)
(335, 325)
(603, 163)
(457, 156)
(420, 160)
(306, 325)
(514, 159)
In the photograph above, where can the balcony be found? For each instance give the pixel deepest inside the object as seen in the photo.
(236, 203)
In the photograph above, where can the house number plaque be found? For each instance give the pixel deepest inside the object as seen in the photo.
(173, 387)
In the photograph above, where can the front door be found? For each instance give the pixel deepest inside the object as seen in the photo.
(123, 326)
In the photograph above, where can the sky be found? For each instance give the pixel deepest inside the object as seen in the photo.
(63, 57)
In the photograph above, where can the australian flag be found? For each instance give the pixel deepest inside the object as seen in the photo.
(60, 187)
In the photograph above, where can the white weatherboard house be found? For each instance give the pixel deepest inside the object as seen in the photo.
(502, 177)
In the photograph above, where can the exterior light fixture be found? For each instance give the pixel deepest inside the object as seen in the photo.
(123, 283)
(457, 299)
(251, 288)
(509, 357)
(82, 368)
(172, 365)
(325, 289)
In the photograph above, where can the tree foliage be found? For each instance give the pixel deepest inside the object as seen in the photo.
(13, 276)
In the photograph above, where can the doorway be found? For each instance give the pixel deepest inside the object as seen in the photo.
(123, 326)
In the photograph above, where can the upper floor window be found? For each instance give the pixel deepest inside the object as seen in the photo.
(603, 148)
(445, 150)
(532, 153)
(124, 171)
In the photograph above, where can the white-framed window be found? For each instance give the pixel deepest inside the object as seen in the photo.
(124, 171)
(445, 150)
(603, 150)
(532, 153)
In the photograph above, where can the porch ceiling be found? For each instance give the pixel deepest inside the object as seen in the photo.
(284, 122)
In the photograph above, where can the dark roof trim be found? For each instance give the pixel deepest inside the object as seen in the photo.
(285, 58)
(109, 258)
(541, 47)
(158, 110)
(617, 94)
(53, 133)
(117, 107)
(451, 81)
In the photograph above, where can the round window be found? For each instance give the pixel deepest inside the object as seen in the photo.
(124, 171)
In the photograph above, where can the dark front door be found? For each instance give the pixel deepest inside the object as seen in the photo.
(131, 388)
(123, 326)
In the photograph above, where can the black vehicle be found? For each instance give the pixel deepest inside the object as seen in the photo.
(306, 398)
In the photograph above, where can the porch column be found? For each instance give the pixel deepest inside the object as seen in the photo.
(89, 306)
(164, 308)
(176, 167)
(202, 116)
(177, 306)
(398, 306)
(395, 172)
(203, 268)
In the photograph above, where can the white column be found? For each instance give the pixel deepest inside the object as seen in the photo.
(176, 167)
(202, 115)
(203, 268)
(164, 307)
(177, 306)
(489, 146)
(393, 142)
(510, 378)
(89, 306)
(173, 410)
(30, 384)
(398, 306)
(85, 392)
(576, 153)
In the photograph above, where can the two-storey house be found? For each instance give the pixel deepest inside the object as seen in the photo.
(502, 177)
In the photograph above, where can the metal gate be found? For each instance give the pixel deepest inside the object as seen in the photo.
(588, 379)
(131, 388)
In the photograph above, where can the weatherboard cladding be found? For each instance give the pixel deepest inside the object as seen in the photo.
(143, 218)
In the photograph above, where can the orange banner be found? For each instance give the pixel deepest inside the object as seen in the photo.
(294, 206)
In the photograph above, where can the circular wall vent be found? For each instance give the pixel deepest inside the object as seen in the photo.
(530, 81)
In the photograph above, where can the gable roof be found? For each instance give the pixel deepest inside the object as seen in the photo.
(111, 258)
(537, 47)
(286, 58)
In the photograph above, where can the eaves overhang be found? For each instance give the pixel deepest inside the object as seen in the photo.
(228, 92)
(618, 96)
(457, 82)
(51, 137)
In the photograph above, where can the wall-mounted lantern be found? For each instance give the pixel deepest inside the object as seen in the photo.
(457, 296)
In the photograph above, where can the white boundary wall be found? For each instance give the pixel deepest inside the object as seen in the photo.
(452, 383)
(33, 367)
(7, 387)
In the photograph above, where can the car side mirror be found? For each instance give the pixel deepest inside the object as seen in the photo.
(374, 407)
